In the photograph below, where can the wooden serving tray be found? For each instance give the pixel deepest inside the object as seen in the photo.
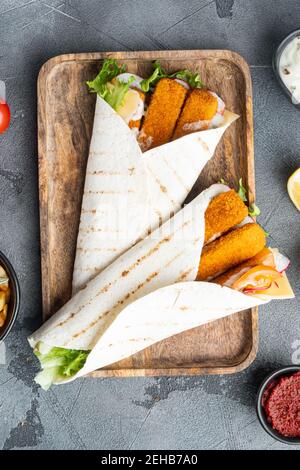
(65, 118)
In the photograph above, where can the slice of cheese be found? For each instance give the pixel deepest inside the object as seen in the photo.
(282, 290)
(132, 107)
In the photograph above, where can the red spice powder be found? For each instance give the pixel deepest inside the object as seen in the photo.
(281, 402)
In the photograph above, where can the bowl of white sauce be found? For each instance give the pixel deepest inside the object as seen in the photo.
(286, 64)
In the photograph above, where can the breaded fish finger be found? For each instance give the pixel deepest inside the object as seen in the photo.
(229, 250)
(162, 114)
(224, 212)
(200, 107)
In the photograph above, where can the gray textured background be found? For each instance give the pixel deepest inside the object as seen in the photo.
(201, 413)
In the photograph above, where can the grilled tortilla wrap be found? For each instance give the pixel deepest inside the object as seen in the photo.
(128, 193)
(147, 295)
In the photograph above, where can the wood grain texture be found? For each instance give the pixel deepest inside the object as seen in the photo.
(65, 118)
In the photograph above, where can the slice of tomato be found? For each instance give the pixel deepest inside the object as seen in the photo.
(4, 116)
(264, 257)
(256, 279)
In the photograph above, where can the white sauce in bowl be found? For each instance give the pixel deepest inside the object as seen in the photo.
(289, 68)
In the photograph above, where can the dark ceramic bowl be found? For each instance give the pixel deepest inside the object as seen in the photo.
(14, 303)
(285, 371)
(276, 60)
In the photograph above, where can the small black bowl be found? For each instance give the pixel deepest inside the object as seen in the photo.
(276, 60)
(284, 372)
(14, 303)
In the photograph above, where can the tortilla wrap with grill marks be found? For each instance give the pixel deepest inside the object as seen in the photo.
(127, 193)
(147, 295)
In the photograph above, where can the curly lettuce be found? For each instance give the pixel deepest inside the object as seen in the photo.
(242, 191)
(112, 92)
(116, 93)
(110, 69)
(156, 75)
(109, 88)
(58, 364)
(193, 79)
(253, 209)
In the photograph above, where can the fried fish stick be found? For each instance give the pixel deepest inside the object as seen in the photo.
(229, 250)
(224, 212)
(199, 108)
(162, 114)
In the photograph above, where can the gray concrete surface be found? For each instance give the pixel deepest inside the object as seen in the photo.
(172, 413)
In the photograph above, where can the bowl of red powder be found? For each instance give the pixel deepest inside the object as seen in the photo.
(278, 405)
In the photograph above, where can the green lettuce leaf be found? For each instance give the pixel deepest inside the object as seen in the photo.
(254, 210)
(242, 191)
(110, 69)
(222, 181)
(47, 377)
(116, 93)
(193, 79)
(156, 75)
(58, 364)
(113, 94)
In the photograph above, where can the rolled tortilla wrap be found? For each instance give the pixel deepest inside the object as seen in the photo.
(145, 296)
(128, 193)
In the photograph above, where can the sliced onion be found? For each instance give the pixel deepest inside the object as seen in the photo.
(183, 83)
(257, 289)
(216, 121)
(281, 261)
(124, 77)
(247, 220)
(221, 104)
